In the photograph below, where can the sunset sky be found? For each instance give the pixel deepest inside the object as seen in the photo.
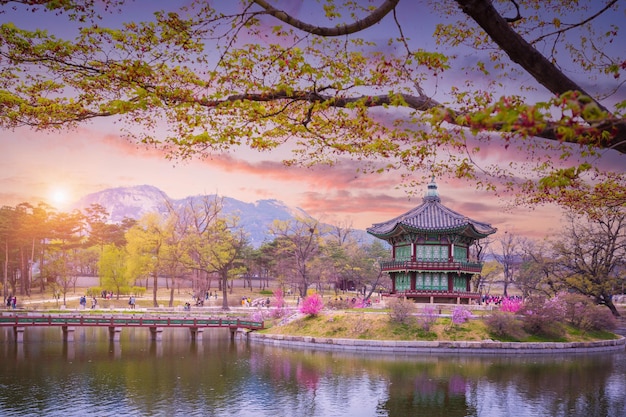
(60, 167)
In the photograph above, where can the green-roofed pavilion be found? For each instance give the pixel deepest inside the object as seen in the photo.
(431, 260)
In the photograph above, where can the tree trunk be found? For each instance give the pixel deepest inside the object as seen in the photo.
(5, 271)
(171, 296)
(224, 285)
(155, 282)
(608, 301)
(23, 272)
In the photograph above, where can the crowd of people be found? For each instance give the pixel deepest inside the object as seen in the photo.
(497, 300)
(11, 302)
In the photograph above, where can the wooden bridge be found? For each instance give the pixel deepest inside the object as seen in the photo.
(115, 324)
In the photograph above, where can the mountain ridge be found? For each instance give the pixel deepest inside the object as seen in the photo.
(135, 201)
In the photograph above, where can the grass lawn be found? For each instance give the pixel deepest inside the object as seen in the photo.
(378, 326)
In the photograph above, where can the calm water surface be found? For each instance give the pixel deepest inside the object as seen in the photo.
(218, 377)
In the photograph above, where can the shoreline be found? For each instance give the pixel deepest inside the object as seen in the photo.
(486, 347)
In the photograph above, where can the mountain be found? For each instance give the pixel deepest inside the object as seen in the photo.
(133, 202)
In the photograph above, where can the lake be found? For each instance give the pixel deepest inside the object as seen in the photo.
(45, 376)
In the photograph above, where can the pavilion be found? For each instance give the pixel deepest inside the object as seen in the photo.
(432, 260)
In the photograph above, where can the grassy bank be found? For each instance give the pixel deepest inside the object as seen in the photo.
(378, 326)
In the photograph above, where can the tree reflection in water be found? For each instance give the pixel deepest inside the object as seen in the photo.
(220, 377)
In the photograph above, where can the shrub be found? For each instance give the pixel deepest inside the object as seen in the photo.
(94, 291)
(281, 309)
(400, 310)
(543, 317)
(259, 315)
(460, 315)
(312, 305)
(138, 291)
(427, 318)
(582, 312)
(279, 298)
(597, 317)
(503, 324)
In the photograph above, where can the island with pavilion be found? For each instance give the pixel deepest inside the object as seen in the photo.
(431, 257)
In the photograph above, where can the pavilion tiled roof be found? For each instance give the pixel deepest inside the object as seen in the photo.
(432, 216)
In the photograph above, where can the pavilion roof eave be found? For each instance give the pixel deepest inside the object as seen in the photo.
(399, 229)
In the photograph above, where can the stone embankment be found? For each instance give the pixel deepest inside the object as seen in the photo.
(439, 347)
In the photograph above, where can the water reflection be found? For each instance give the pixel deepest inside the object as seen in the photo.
(218, 377)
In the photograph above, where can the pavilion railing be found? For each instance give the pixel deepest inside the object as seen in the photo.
(437, 293)
(423, 265)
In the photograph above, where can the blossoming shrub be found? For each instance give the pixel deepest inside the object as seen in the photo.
(543, 317)
(400, 310)
(281, 309)
(598, 318)
(582, 312)
(427, 318)
(460, 315)
(505, 325)
(312, 305)
(259, 315)
(279, 298)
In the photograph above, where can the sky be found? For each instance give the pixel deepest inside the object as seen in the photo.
(60, 167)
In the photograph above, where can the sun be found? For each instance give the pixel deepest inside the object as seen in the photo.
(59, 196)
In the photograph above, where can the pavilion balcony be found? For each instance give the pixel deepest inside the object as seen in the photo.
(398, 265)
(438, 296)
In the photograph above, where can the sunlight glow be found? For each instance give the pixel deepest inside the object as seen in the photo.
(59, 197)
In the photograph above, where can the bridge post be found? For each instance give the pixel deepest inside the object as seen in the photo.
(233, 330)
(156, 333)
(196, 333)
(114, 333)
(68, 333)
(19, 334)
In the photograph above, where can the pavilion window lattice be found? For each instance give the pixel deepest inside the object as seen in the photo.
(437, 253)
(460, 253)
(437, 281)
(403, 282)
(459, 284)
(403, 252)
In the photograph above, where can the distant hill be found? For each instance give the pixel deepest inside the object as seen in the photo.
(133, 202)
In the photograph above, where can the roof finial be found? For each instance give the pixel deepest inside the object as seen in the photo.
(431, 193)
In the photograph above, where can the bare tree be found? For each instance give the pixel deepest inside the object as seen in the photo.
(589, 254)
(299, 239)
(510, 257)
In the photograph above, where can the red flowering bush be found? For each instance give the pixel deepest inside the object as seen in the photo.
(279, 298)
(312, 305)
